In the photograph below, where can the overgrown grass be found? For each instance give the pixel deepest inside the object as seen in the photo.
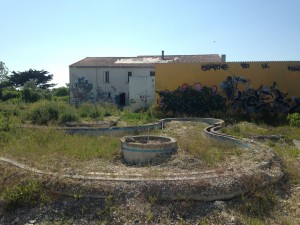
(259, 203)
(53, 112)
(26, 193)
(191, 140)
(284, 148)
(38, 144)
(136, 118)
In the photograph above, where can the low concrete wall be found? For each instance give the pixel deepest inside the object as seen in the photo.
(211, 131)
(111, 130)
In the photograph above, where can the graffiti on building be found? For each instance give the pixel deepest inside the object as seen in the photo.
(245, 65)
(83, 90)
(229, 86)
(144, 97)
(263, 100)
(214, 67)
(197, 87)
(294, 68)
(265, 66)
(196, 100)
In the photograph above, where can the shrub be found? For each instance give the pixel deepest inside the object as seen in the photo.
(89, 110)
(67, 115)
(46, 112)
(61, 91)
(10, 94)
(30, 95)
(294, 119)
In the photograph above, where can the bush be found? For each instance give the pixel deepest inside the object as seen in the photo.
(67, 115)
(294, 119)
(89, 110)
(46, 112)
(61, 91)
(29, 95)
(10, 94)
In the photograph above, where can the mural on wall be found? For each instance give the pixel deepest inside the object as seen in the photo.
(196, 100)
(263, 100)
(83, 90)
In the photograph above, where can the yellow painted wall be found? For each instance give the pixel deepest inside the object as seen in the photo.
(170, 76)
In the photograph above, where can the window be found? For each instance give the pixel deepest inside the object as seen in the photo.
(152, 73)
(129, 75)
(106, 77)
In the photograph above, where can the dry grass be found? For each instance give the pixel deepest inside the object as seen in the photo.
(192, 141)
(46, 146)
(284, 147)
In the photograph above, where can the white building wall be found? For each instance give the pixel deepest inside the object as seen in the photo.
(141, 91)
(88, 83)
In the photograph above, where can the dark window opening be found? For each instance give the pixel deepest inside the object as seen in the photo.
(129, 75)
(152, 73)
(106, 77)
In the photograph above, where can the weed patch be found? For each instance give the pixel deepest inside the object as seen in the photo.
(26, 193)
(259, 203)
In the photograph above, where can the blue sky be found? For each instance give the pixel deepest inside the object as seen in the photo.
(52, 34)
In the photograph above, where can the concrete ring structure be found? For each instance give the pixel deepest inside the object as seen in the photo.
(144, 149)
(216, 184)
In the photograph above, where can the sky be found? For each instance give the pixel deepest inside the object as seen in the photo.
(50, 35)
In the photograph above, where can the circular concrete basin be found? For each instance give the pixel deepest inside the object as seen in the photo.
(143, 149)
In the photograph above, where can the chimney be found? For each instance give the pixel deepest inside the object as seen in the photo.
(163, 55)
(223, 58)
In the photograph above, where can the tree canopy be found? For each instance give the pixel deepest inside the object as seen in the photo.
(3, 74)
(42, 78)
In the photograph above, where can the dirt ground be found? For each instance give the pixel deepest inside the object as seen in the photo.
(279, 204)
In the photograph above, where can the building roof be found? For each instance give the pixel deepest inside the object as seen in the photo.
(144, 61)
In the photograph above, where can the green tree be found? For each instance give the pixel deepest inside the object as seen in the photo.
(32, 93)
(61, 91)
(3, 75)
(42, 78)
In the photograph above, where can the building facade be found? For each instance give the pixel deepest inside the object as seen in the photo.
(125, 81)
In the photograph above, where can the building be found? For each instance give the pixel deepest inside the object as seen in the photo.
(122, 80)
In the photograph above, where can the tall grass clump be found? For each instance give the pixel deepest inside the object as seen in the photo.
(27, 193)
(89, 110)
(50, 112)
(108, 109)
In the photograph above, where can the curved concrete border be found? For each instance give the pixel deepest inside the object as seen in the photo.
(204, 185)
